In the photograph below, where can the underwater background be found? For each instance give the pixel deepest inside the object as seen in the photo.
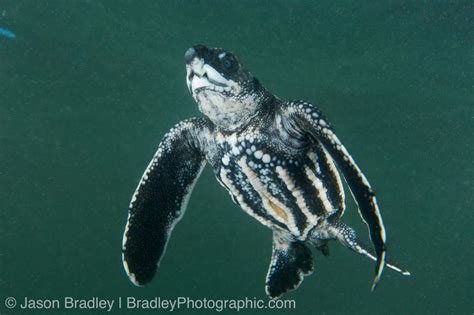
(88, 89)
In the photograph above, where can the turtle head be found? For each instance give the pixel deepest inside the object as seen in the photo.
(225, 91)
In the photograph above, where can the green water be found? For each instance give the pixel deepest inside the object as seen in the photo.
(88, 88)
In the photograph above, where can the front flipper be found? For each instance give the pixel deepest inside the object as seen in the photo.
(310, 121)
(161, 198)
(348, 237)
(291, 262)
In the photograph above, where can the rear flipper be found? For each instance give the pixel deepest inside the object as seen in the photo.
(322, 246)
(291, 262)
(348, 237)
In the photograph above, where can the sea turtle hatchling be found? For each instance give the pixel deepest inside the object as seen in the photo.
(279, 160)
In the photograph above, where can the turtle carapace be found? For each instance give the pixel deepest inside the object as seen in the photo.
(279, 160)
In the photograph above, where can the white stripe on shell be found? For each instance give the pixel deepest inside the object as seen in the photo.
(335, 171)
(229, 185)
(311, 218)
(268, 199)
(321, 190)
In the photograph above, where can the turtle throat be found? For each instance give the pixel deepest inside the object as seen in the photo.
(230, 105)
(229, 112)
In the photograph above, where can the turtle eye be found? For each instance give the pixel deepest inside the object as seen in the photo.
(227, 62)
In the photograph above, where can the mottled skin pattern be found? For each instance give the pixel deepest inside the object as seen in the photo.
(280, 162)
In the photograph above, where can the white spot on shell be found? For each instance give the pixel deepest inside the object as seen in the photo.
(266, 158)
(232, 139)
(225, 160)
(235, 150)
(258, 154)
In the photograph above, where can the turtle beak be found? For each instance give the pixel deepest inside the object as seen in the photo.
(189, 55)
(194, 63)
(198, 51)
(198, 73)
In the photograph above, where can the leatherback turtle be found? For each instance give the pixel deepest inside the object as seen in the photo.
(280, 162)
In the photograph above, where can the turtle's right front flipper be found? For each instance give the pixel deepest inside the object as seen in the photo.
(161, 197)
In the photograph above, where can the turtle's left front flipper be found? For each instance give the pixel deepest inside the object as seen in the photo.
(161, 197)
